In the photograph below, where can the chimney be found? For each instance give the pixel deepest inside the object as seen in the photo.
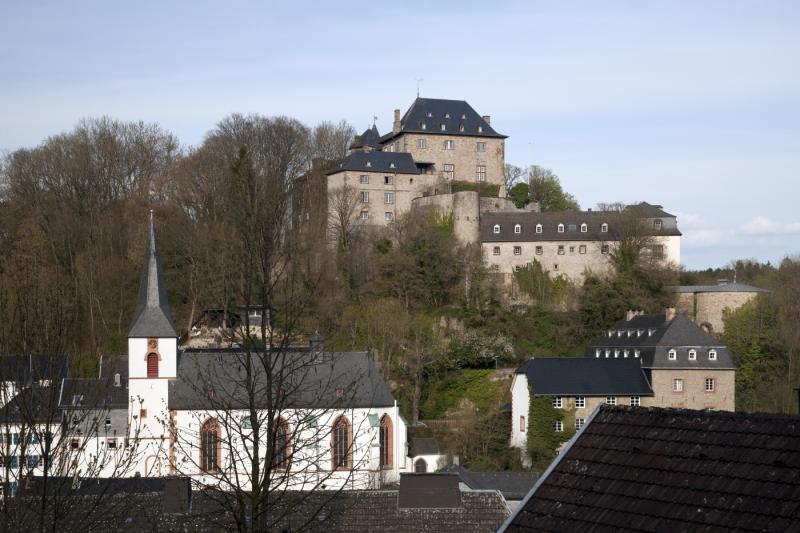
(669, 314)
(630, 314)
(487, 119)
(396, 125)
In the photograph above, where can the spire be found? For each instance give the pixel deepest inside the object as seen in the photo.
(153, 316)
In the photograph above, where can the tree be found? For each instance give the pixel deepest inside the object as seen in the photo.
(545, 189)
(511, 175)
(520, 195)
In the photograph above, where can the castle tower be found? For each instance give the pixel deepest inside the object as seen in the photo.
(152, 358)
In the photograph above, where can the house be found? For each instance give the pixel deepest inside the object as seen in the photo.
(18, 372)
(424, 454)
(653, 469)
(686, 367)
(706, 304)
(575, 386)
(435, 143)
(574, 243)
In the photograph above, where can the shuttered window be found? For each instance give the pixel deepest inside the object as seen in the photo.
(152, 365)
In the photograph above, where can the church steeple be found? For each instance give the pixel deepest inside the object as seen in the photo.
(153, 316)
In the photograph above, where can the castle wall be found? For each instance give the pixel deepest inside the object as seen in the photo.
(463, 206)
(707, 308)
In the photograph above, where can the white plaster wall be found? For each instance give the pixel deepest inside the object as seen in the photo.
(520, 406)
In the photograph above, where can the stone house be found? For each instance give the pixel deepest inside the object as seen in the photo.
(660, 360)
(573, 243)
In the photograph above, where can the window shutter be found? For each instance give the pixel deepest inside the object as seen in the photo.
(152, 365)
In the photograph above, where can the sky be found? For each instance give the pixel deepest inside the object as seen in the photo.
(693, 105)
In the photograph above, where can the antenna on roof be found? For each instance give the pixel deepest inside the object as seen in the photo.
(374, 119)
(418, 82)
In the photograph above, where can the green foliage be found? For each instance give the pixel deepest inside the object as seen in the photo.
(444, 222)
(543, 439)
(537, 283)
(520, 195)
(476, 349)
(470, 384)
(486, 190)
(545, 188)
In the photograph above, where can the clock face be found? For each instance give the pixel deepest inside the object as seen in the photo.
(152, 344)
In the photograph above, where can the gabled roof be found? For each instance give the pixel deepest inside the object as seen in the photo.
(90, 393)
(32, 405)
(457, 116)
(651, 469)
(429, 491)
(385, 162)
(329, 380)
(422, 446)
(369, 138)
(153, 316)
(512, 485)
(582, 376)
(654, 336)
(722, 287)
(645, 210)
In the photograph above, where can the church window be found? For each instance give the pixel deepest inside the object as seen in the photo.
(209, 446)
(341, 444)
(420, 466)
(385, 438)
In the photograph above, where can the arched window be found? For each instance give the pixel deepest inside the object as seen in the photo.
(341, 444)
(604, 227)
(538, 228)
(672, 355)
(420, 466)
(152, 365)
(282, 445)
(584, 228)
(385, 438)
(209, 446)
(561, 228)
(496, 229)
(517, 228)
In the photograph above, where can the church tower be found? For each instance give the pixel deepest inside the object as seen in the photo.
(152, 356)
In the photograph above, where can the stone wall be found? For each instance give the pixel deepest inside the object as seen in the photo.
(463, 206)
(694, 395)
(464, 155)
(570, 258)
(707, 308)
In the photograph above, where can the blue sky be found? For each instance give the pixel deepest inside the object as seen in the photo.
(692, 105)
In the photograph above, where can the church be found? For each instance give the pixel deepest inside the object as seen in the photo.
(311, 418)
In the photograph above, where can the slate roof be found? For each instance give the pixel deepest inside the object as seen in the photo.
(32, 405)
(369, 138)
(650, 469)
(646, 210)
(422, 446)
(153, 316)
(429, 491)
(85, 393)
(581, 376)
(454, 114)
(213, 379)
(658, 337)
(27, 369)
(512, 485)
(113, 364)
(572, 220)
(386, 162)
(722, 287)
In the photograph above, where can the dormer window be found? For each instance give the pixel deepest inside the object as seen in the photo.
(463, 116)
(608, 352)
(619, 333)
(616, 353)
(391, 165)
(496, 229)
(461, 128)
(443, 127)
(636, 353)
(639, 333)
(625, 353)
(517, 229)
(561, 228)
(447, 115)
(538, 228)
(672, 355)
(657, 225)
(368, 164)
(692, 355)
(630, 332)
(604, 228)
(430, 114)
(712, 355)
(597, 352)
(480, 129)
(423, 126)
(584, 228)
(650, 332)
(610, 333)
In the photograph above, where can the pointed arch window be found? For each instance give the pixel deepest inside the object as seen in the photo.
(152, 365)
(385, 438)
(342, 444)
(282, 445)
(209, 446)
